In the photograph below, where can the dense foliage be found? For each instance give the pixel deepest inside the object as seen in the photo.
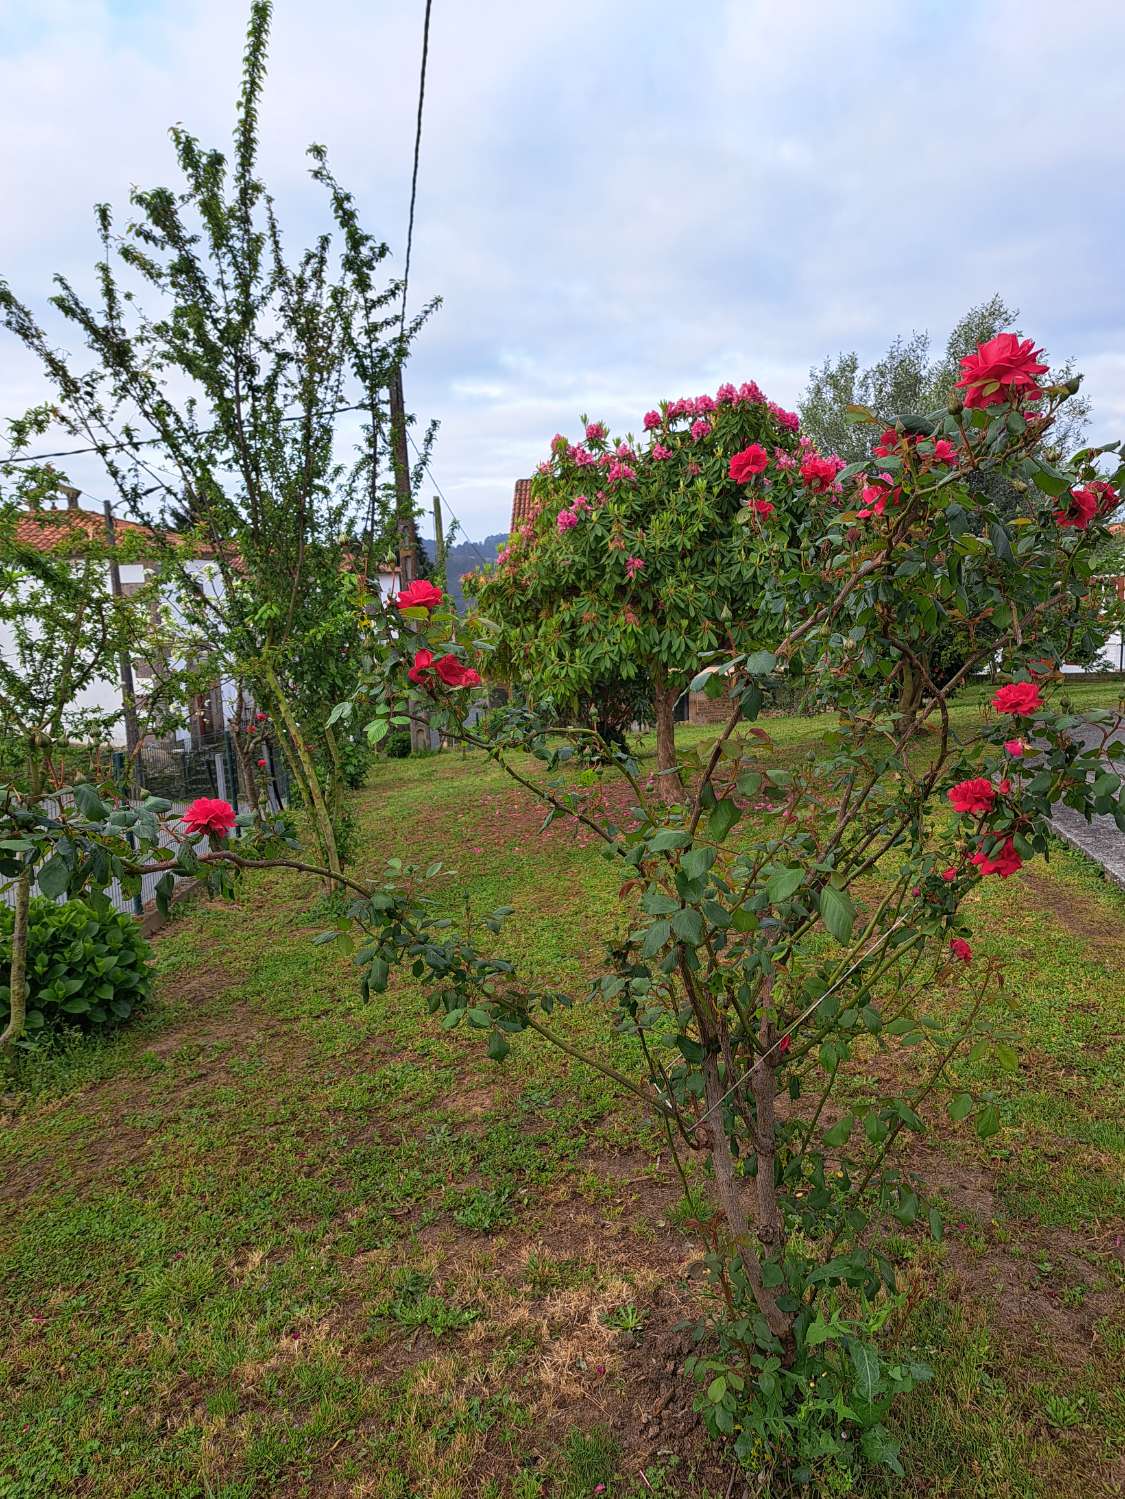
(87, 965)
(639, 556)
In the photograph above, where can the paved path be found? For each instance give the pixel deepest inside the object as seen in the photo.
(1101, 839)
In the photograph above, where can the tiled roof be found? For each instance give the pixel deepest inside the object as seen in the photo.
(521, 503)
(55, 530)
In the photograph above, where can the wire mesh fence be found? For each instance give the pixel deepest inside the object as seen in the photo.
(180, 774)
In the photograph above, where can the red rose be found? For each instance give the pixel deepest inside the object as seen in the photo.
(209, 814)
(887, 443)
(973, 796)
(761, 507)
(1020, 698)
(1002, 369)
(876, 496)
(750, 461)
(420, 595)
(454, 674)
(1004, 861)
(784, 1044)
(1080, 509)
(423, 661)
(261, 764)
(819, 474)
(961, 949)
(945, 452)
(949, 874)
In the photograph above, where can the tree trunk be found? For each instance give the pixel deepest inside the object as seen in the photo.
(316, 806)
(17, 982)
(664, 707)
(910, 696)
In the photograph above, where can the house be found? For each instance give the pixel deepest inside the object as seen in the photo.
(71, 530)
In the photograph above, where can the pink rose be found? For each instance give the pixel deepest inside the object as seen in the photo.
(211, 815)
(652, 419)
(1002, 369)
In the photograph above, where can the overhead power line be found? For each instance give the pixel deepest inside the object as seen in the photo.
(148, 442)
(417, 153)
(484, 560)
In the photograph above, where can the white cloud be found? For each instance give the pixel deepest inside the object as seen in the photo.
(617, 203)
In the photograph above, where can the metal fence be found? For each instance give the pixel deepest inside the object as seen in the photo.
(180, 774)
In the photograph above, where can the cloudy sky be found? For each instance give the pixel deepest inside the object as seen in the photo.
(618, 201)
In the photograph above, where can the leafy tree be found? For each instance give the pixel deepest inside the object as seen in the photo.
(222, 367)
(639, 557)
(911, 379)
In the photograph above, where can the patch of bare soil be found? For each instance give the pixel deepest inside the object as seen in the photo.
(1075, 912)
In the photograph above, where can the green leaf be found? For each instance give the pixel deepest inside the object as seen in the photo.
(761, 663)
(668, 838)
(1006, 1057)
(838, 912)
(749, 783)
(716, 1390)
(780, 886)
(377, 729)
(988, 1121)
(865, 1361)
(688, 926)
(54, 877)
(89, 803)
(840, 1131)
(498, 1048)
(960, 1106)
(722, 819)
(655, 938)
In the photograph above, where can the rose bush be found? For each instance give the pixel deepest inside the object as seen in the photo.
(757, 969)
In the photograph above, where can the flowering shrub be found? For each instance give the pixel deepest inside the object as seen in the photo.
(760, 964)
(640, 555)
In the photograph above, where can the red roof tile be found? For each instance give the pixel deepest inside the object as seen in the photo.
(56, 530)
(521, 503)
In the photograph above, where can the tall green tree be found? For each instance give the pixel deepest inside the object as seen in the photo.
(222, 367)
(911, 378)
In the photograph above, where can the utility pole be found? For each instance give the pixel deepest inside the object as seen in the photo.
(407, 535)
(439, 546)
(125, 666)
(404, 503)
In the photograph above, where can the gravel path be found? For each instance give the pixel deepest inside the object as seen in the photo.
(1100, 839)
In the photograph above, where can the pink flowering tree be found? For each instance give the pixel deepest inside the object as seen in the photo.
(642, 556)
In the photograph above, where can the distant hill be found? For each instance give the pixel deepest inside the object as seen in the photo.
(466, 557)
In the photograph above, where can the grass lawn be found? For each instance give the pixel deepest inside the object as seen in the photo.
(274, 1241)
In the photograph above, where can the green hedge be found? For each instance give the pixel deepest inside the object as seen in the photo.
(85, 968)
